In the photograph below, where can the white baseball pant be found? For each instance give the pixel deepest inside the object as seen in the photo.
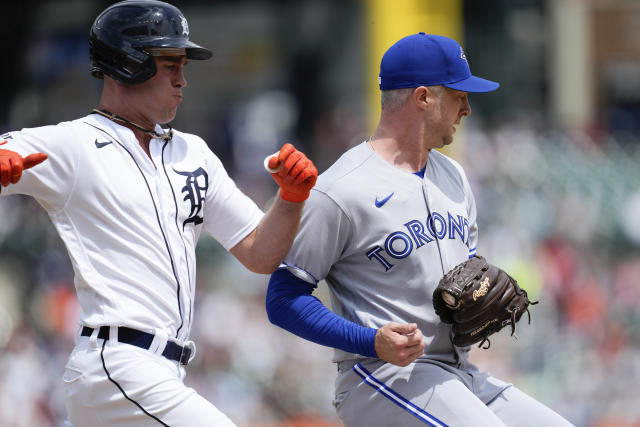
(116, 384)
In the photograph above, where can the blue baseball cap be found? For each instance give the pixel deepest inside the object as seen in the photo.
(429, 60)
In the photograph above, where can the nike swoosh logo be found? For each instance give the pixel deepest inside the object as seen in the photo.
(3, 142)
(102, 144)
(380, 203)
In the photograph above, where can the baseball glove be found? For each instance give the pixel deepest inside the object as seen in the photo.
(479, 299)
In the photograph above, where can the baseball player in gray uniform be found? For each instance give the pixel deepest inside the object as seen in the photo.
(129, 199)
(382, 226)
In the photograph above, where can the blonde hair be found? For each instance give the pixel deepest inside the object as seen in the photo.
(394, 98)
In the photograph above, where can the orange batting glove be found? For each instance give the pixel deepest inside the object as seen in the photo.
(12, 164)
(294, 173)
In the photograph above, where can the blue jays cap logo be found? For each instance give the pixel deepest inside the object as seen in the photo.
(185, 25)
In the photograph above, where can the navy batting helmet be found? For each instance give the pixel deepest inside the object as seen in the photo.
(120, 34)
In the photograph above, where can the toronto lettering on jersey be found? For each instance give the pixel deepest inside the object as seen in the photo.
(195, 190)
(400, 244)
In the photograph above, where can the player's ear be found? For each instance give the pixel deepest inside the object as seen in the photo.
(422, 97)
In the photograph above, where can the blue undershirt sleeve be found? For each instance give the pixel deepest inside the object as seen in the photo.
(291, 306)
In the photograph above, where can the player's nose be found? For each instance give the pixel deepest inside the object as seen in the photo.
(465, 110)
(180, 80)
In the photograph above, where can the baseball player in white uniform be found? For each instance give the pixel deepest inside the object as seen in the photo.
(129, 199)
(382, 226)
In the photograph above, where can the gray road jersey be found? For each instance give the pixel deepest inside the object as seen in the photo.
(382, 238)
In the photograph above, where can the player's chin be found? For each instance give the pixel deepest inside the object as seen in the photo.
(170, 115)
(447, 140)
(173, 104)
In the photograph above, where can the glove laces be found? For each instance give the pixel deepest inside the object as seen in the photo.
(512, 321)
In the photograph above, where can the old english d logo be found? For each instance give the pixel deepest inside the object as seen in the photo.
(195, 189)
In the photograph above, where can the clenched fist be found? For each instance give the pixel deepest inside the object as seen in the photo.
(294, 173)
(399, 343)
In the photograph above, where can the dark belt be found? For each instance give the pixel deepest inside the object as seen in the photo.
(143, 340)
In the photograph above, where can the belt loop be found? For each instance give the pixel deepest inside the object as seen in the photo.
(78, 333)
(193, 349)
(93, 339)
(159, 342)
(113, 335)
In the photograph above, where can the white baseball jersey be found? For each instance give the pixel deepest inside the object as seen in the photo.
(382, 238)
(130, 223)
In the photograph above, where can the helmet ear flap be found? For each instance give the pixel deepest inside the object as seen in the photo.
(126, 64)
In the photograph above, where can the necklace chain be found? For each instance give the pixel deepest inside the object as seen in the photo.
(112, 116)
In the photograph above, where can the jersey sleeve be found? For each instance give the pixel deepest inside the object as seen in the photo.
(291, 306)
(230, 215)
(322, 237)
(51, 181)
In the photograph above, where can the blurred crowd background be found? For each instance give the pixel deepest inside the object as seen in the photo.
(553, 157)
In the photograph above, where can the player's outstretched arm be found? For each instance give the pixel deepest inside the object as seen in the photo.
(12, 164)
(264, 248)
(291, 306)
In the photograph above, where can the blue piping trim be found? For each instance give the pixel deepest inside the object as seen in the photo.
(396, 398)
